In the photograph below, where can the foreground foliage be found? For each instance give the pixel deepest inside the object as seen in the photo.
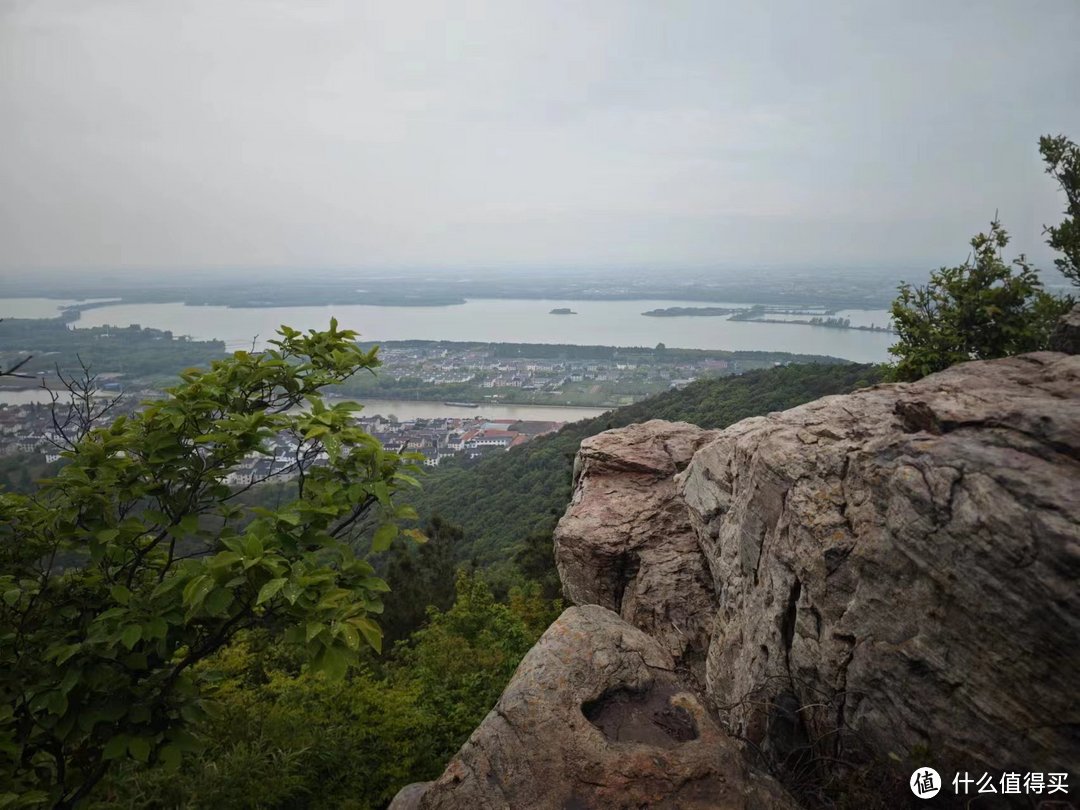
(280, 735)
(135, 563)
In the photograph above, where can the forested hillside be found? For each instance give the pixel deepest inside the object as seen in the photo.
(502, 500)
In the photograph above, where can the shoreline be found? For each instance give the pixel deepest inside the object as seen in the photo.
(149, 393)
(479, 407)
(704, 301)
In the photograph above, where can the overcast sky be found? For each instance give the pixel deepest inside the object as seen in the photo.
(341, 133)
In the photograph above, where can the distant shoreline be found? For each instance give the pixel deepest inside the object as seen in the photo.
(692, 312)
(479, 406)
(300, 296)
(143, 393)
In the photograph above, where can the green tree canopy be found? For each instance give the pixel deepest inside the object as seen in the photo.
(1062, 158)
(981, 309)
(135, 562)
(421, 577)
(987, 307)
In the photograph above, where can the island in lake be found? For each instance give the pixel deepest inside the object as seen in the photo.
(562, 311)
(680, 312)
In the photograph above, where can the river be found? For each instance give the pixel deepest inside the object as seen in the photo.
(609, 323)
(403, 409)
(410, 409)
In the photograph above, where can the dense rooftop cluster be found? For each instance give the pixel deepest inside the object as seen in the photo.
(29, 430)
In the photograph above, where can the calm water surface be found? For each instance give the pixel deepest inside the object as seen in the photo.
(611, 323)
(403, 409)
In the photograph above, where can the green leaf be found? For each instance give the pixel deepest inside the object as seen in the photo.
(196, 590)
(157, 627)
(131, 635)
(352, 638)
(65, 652)
(384, 536)
(207, 438)
(316, 432)
(375, 584)
(170, 757)
(116, 747)
(407, 479)
(120, 594)
(371, 631)
(189, 524)
(270, 589)
(139, 748)
(218, 601)
(382, 492)
(225, 559)
(292, 518)
(332, 662)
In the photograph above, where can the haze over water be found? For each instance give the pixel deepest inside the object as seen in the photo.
(608, 323)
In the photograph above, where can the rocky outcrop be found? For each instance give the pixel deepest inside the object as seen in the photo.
(897, 569)
(888, 577)
(595, 717)
(626, 542)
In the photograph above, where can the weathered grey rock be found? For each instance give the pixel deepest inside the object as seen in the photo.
(594, 717)
(1066, 335)
(903, 564)
(409, 797)
(626, 542)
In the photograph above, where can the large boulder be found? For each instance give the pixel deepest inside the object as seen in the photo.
(626, 542)
(897, 570)
(595, 717)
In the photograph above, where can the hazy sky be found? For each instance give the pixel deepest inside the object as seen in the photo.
(341, 133)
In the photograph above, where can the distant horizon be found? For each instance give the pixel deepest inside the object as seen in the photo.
(88, 277)
(1042, 259)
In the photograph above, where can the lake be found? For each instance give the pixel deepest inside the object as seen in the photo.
(609, 323)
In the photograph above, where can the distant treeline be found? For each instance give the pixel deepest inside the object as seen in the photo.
(838, 290)
(134, 352)
(683, 312)
(563, 351)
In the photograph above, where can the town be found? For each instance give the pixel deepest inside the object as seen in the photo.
(548, 374)
(29, 434)
(141, 361)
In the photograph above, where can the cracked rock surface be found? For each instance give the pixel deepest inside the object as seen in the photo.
(626, 542)
(904, 561)
(595, 717)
